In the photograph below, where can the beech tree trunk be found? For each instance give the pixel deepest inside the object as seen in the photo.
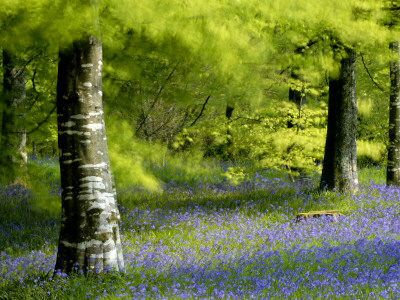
(340, 160)
(89, 235)
(393, 164)
(13, 153)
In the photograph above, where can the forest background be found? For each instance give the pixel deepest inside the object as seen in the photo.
(193, 83)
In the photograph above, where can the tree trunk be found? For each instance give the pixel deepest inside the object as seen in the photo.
(34, 149)
(297, 96)
(393, 164)
(89, 235)
(13, 143)
(340, 160)
(230, 151)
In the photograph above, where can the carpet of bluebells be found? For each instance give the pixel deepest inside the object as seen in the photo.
(218, 241)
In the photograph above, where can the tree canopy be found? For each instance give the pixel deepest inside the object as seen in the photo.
(168, 63)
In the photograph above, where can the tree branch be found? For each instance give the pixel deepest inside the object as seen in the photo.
(43, 121)
(201, 112)
(34, 89)
(155, 99)
(369, 74)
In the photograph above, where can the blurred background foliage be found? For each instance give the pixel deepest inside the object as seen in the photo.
(173, 69)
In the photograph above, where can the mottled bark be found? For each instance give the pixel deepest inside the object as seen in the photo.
(340, 160)
(393, 164)
(13, 153)
(89, 235)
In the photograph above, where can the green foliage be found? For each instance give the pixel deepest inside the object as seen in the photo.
(371, 153)
(272, 138)
(127, 155)
(373, 96)
(164, 58)
(372, 175)
(44, 182)
(135, 163)
(235, 175)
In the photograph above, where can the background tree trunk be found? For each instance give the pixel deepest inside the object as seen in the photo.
(13, 153)
(340, 160)
(393, 164)
(89, 235)
(297, 96)
(230, 150)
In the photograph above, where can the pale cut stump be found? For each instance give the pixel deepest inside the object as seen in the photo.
(316, 214)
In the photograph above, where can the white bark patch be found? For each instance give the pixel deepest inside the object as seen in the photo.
(68, 124)
(93, 242)
(102, 199)
(87, 84)
(68, 244)
(93, 185)
(70, 161)
(87, 65)
(100, 93)
(106, 228)
(99, 152)
(100, 165)
(88, 244)
(69, 187)
(83, 117)
(94, 126)
(111, 255)
(80, 117)
(92, 178)
(68, 198)
(85, 142)
(72, 132)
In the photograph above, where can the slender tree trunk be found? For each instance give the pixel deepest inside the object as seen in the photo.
(89, 235)
(340, 160)
(33, 148)
(230, 151)
(393, 164)
(297, 96)
(13, 153)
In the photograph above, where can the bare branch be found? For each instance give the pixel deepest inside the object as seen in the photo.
(369, 74)
(201, 112)
(44, 120)
(155, 99)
